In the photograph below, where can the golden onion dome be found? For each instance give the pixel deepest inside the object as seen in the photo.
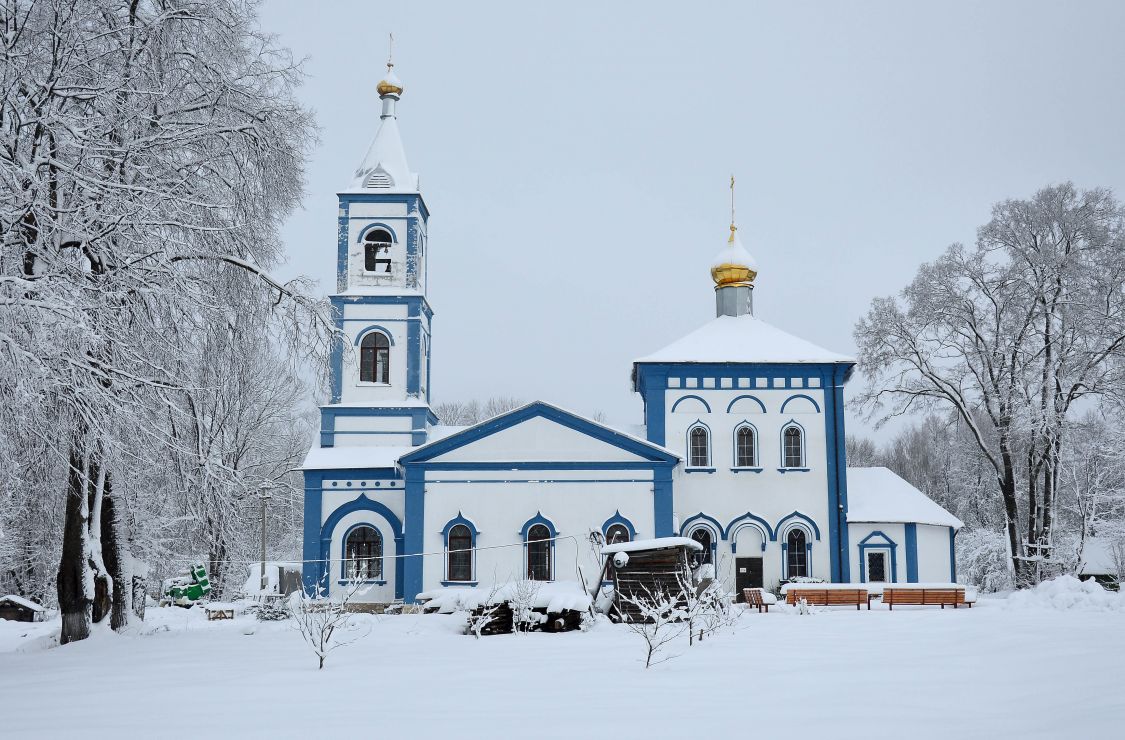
(390, 84)
(733, 266)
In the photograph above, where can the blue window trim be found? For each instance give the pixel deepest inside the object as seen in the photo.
(457, 521)
(795, 396)
(794, 470)
(746, 470)
(796, 515)
(539, 519)
(377, 225)
(344, 554)
(745, 424)
(887, 543)
(755, 399)
(804, 446)
(703, 521)
(952, 555)
(681, 399)
(618, 519)
(466, 584)
(688, 467)
(783, 536)
(374, 327)
(368, 581)
(316, 574)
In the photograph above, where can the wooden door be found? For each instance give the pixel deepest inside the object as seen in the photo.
(747, 574)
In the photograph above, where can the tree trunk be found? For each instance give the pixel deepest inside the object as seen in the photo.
(117, 559)
(74, 571)
(1007, 483)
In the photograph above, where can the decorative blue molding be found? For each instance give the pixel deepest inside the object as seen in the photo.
(378, 225)
(755, 399)
(466, 584)
(833, 379)
(793, 470)
(361, 503)
(681, 399)
(749, 519)
(539, 409)
(885, 543)
(746, 470)
(699, 470)
(538, 519)
(716, 529)
(796, 515)
(911, 552)
(374, 327)
(810, 399)
(618, 519)
(459, 519)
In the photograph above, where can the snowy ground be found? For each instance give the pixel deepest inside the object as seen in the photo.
(1046, 666)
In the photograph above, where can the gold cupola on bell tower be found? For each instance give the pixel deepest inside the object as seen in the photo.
(734, 271)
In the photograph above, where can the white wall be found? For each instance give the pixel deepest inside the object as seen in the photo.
(769, 494)
(933, 554)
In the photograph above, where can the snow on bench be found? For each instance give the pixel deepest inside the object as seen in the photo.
(553, 596)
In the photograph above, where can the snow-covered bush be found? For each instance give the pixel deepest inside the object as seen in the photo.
(982, 559)
(269, 611)
(1067, 592)
(663, 618)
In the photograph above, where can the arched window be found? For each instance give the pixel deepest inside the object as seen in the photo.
(699, 450)
(702, 535)
(459, 552)
(363, 554)
(539, 553)
(796, 555)
(616, 533)
(745, 452)
(793, 447)
(377, 251)
(375, 358)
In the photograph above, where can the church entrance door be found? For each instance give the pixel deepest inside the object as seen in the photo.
(747, 574)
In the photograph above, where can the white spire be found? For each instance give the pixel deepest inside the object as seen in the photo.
(385, 167)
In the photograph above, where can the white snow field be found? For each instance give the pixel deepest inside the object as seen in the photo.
(1046, 664)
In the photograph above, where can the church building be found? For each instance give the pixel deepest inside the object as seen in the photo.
(742, 447)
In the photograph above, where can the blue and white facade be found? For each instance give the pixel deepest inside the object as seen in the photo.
(742, 446)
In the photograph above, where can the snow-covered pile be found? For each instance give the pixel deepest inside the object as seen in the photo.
(555, 596)
(1067, 592)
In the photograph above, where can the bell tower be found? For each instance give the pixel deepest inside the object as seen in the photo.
(380, 367)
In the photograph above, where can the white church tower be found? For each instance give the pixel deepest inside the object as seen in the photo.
(381, 371)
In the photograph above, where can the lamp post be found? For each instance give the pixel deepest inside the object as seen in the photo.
(265, 492)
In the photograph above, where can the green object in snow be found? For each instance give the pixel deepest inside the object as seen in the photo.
(186, 590)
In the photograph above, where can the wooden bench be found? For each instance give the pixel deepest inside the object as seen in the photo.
(753, 597)
(828, 596)
(954, 597)
(219, 612)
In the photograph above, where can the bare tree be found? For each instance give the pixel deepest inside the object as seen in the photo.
(320, 619)
(662, 618)
(1008, 336)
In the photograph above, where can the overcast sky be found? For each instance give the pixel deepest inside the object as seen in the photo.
(576, 157)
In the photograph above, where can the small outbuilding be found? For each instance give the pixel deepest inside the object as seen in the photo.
(646, 568)
(19, 609)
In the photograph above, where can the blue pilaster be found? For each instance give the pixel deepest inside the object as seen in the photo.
(413, 528)
(312, 570)
(911, 553)
(837, 473)
(662, 504)
(952, 555)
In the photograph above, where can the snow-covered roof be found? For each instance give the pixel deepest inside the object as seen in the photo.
(385, 169)
(20, 601)
(655, 544)
(878, 495)
(742, 339)
(1098, 556)
(327, 458)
